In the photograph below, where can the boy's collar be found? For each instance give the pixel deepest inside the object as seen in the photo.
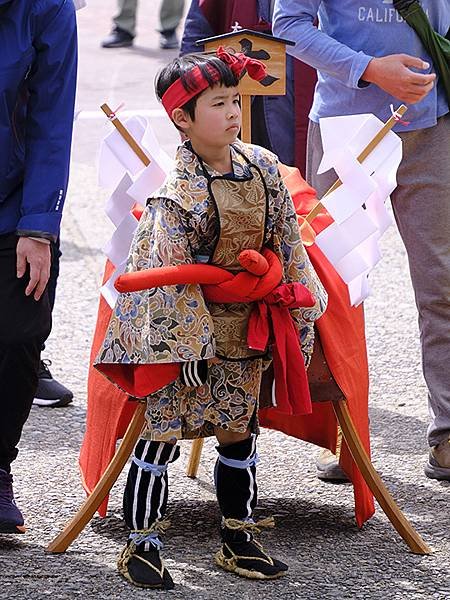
(238, 160)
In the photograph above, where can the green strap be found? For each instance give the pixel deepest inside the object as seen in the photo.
(437, 45)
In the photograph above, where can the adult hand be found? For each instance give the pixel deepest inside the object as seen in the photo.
(37, 255)
(393, 74)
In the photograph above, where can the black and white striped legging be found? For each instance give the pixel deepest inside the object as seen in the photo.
(146, 490)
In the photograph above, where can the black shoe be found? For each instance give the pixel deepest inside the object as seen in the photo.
(11, 519)
(49, 391)
(168, 40)
(118, 38)
(248, 559)
(144, 568)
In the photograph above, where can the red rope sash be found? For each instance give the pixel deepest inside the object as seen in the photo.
(270, 321)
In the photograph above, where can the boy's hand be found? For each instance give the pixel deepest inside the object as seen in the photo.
(393, 75)
(37, 255)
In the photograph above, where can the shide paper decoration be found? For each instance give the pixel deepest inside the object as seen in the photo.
(133, 181)
(363, 151)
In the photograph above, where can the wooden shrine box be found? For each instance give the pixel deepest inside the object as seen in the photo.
(266, 48)
(271, 51)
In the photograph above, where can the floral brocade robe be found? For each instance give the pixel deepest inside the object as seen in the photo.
(199, 215)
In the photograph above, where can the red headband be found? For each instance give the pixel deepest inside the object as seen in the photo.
(176, 95)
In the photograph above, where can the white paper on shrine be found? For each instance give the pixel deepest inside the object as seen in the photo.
(116, 156)
(358, 289)
(133, 182)
(336, 132)
(120, 202)
(351, 265)
(385, 174)
(118, 247)
(151, 178)
(370, 250)
(377, 210)
(337, 240)
(108, 291)
(344, 138)
(358, 205)
(151, 144)
(382, 157)
(354, 133)
(356, 187)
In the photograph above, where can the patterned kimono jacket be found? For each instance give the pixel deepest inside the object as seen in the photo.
(200, 215)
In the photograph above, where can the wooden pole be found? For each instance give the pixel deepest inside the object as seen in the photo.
(375, 483)
(125, 134)
(246, 129)
(194, 458)
(87, 510)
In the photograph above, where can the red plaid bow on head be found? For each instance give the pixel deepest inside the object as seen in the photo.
(239, 62)
(177, 96)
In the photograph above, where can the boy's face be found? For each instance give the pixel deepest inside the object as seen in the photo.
(217, 118)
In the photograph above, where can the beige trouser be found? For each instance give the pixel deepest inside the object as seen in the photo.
(421, 204)
(170, 15)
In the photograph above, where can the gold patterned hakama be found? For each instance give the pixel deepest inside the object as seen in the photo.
(227, 400)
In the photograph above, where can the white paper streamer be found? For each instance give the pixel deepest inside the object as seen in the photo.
(133, 182)
(358, 206)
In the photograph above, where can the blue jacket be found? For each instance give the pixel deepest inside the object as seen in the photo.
(351, 32)
(278, 110)
(38, 58)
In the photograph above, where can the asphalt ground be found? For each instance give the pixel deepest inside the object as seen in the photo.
(316, 534)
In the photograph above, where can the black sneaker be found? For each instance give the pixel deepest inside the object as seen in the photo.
(143, 568)
(11, 519)
(168, 40)
(118, 38)
(49, 391)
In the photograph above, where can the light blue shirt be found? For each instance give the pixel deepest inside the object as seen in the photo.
(350, 34)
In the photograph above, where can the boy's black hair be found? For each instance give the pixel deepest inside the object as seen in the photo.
(209, 64)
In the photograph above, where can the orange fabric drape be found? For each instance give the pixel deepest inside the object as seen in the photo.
(341, 330)
(342, 334)
(109, 410)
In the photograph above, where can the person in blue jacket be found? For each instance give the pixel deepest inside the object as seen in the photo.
(37, 92)
(368, 58)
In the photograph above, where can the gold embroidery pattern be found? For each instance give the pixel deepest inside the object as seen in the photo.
(227, 400)
(242, 212)
(174, 324)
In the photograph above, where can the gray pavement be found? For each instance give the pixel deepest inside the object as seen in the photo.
(316, 534)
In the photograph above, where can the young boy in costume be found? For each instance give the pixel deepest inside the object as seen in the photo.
(221, 198)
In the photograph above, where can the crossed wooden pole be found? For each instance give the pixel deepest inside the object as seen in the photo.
(79, 521)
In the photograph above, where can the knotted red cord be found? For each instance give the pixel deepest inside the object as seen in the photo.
(239, 62)
(270, 321)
